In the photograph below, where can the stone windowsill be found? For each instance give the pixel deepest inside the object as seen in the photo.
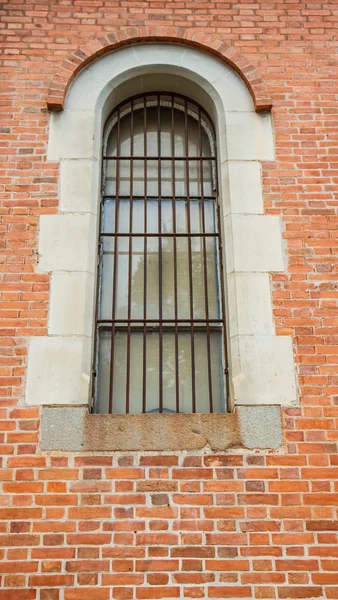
(72, 428)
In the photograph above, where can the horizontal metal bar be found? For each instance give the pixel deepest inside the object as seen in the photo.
(156, 235)
(169, 198)
(159, 158)
(162, 327)
(100, 321)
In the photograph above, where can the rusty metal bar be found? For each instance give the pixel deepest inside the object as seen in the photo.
(173, 157)
(191, 293)
(136, 198)
(166, 328)
(114, 290)
(177, 382)
(205, 267)
(160, 314)
(187, 320)
(144, 377)
(130, 254)
(173, 235)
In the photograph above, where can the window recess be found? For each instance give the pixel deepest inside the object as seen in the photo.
(160, 318)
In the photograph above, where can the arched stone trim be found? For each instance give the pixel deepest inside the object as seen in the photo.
(85, 55)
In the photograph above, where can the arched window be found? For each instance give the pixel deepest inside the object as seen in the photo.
(160, 323)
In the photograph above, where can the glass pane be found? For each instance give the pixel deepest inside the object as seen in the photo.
(198, 276)
(107, 267)
(138, 184)
(108, 220)
(103, 372)
(213, 278)
(202, 372)
(168, 288)
(167, 216)
(107, 271)
(137, 278)
(110, 177)
(169, 372)
(183, 292)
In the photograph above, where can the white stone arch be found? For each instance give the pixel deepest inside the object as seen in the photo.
(262, 368)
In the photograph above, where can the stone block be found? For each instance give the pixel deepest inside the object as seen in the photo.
(257, 243)
(249, 298)
(71, 134)
(242, 187)
(71, 306)
(76, 185)
(64, 242)
(249, 136)
(54, 371)
(267, 374)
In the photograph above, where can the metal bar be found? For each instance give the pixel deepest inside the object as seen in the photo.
(193, 388)
(160, 314)
(130, 254)
(187, 235)
(136, 198)
(155, 329)
(206, 296)
(111, 381)
(173, 157)
(144, 379)
(177, 381)
(163, 321)
(151, 94)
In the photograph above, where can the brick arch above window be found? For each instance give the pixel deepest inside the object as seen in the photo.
(85, 55)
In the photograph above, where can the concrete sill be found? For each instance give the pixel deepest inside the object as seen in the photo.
(71, 428)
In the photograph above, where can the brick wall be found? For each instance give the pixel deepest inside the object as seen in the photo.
(241, 525)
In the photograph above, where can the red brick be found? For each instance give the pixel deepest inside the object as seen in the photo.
(299, 592)
(17, 594)
(229, 591)
(157, 565)
(80, 566)
(124, 473)
(94, 593)
(51, 580)
(159, 592)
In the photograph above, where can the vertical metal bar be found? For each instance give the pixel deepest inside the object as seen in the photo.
(130, 252)
(177, 382)
(111, 382)
(193, 386)
(144, 383)
(160, 255)
(206, 296)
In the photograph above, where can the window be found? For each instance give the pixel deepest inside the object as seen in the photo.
(60, 363)
(160, 324)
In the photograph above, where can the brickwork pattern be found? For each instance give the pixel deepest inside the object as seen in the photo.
(242, 525)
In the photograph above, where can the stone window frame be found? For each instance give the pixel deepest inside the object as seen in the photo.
(262, 368)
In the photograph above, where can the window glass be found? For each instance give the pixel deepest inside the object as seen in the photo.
(160, 326)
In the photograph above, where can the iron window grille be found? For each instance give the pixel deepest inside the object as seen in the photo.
(160, 340)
